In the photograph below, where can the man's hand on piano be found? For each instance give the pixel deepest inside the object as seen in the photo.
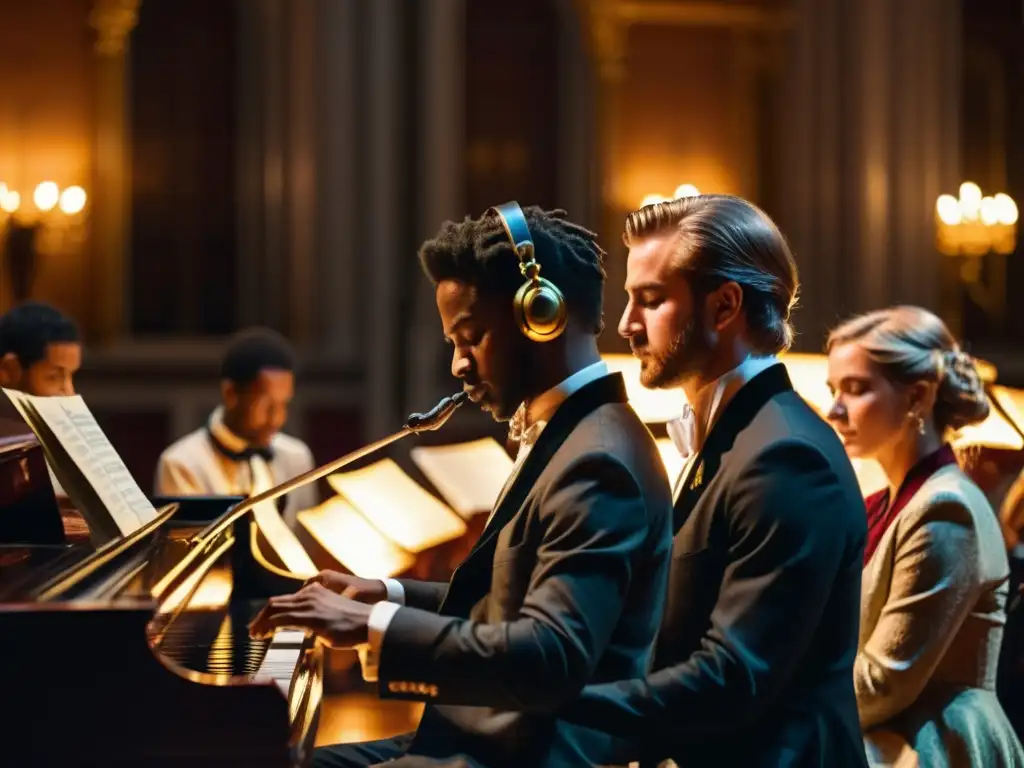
(364, 590)
(337, 621)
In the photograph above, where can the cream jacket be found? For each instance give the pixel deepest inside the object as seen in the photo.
(933, 607)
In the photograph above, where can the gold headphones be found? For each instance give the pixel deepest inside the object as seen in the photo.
(539, 306)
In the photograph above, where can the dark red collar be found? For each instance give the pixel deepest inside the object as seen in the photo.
(881, 514)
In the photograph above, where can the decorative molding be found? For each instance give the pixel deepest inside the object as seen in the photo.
(113, 21)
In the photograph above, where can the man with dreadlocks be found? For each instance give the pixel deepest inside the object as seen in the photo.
(567, 581)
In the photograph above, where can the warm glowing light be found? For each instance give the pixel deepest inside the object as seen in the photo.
(683, 190)
(1006, 209)
(975, 224)
(46, 196)
(948, 209)
(970, 199)
(652, 200)
(3, 190)
(72, 200)
(989, 215)
(653, 406)
(10, 202)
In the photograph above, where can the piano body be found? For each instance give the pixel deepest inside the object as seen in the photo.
(136, 651)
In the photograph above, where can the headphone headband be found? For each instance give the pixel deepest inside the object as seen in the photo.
(514, 221)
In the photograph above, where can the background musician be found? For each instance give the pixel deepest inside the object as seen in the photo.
(40, 353)
(241, 449)
(40, 350)
(567, 581)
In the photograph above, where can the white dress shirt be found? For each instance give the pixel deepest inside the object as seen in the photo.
(529, 420)
(192, 466)
(684, 432)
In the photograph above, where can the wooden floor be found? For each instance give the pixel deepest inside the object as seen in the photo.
(349, 717)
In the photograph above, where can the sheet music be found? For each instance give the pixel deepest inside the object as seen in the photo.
(398, 507)
(272, 525)
(470, 475)
(74, 427)
(351, 540)
(280, 536)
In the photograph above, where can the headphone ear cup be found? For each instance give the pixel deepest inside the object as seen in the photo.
(540, 310)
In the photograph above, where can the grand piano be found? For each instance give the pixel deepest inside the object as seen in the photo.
(135, 651)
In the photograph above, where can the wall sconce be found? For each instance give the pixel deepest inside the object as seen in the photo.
(683, 190)
(52, 220)
(972, 225)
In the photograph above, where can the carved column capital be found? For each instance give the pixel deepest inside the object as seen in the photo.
(113, 20)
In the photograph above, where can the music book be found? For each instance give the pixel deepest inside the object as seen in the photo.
(398, 507)
(85, 463)
(469, 476)
(350, 539)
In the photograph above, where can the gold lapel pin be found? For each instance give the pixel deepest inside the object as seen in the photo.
(698, 476)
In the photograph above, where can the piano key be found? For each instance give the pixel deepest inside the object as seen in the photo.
(281, 658)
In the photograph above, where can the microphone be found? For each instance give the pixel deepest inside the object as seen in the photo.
(208, 539)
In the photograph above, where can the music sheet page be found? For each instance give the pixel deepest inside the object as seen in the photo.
(72, 424)
(470, 475)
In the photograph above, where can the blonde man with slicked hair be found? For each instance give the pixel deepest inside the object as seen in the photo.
(754, 659)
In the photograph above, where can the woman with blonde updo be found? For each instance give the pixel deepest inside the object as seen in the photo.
(934, 590)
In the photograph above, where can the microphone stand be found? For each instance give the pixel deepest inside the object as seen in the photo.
(433, 419)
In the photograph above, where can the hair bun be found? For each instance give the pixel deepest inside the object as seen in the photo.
(961, 399)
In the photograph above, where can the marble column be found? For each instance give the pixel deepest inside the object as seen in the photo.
(441, 175)
(113, 21)
(870, 134)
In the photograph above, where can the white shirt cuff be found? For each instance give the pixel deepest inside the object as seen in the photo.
(377, 625)
(396, 592)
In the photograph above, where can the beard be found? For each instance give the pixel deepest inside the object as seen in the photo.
(684, 358)
(513, 385)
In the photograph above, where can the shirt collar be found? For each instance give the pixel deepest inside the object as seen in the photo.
(220, 430)
(530, 418)
(711, 400)
(231, 445)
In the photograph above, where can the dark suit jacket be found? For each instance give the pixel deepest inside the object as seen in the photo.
(565, 586)
(754, 661)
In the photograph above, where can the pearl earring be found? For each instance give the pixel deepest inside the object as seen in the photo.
(919, 420)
